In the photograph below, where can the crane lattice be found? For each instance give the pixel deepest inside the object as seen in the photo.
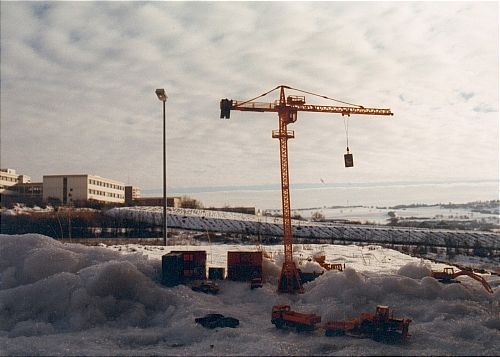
(287, 108)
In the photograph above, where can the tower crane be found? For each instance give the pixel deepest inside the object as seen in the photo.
(287, 108)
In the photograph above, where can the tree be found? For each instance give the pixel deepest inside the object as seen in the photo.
(188, 202)
(297, 216)
(317, 217)
(393, 220)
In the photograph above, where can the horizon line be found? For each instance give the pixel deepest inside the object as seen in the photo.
(305, 186)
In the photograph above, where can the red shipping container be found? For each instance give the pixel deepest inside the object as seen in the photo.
(195, 257)
(193, 264)
(246, 258)
(244, 266)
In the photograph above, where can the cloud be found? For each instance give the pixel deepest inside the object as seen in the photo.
(482, 108)
(467, 96)
(78, 83)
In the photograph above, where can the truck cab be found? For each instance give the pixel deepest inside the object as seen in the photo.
(382, 313)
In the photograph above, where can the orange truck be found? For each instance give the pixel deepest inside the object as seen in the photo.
(283, 316)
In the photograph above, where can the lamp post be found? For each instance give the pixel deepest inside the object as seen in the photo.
(70, 204)
(162, 95)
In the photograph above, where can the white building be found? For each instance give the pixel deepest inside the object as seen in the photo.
(9, 178)
(82, 187)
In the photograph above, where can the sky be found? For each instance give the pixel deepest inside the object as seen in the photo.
(78, 84)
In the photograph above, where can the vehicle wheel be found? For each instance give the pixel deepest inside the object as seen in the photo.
(278, 323)
(332, 333)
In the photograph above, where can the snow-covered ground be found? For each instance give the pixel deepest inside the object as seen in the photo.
(22, 209)
(69, 299)
(380, 215)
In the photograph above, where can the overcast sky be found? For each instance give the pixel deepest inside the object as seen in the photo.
(78, 81)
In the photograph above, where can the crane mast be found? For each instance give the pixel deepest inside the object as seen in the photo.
(287, 108)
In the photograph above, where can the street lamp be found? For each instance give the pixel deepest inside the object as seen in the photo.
(162, 95)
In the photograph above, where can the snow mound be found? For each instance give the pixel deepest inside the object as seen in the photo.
(414, 270)
(68, 299)
(349, 293)
(49, 287)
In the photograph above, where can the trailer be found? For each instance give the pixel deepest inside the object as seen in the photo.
(283, 316)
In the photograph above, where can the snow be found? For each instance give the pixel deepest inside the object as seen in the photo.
(20, 209)
(380, 215)
(69, 299)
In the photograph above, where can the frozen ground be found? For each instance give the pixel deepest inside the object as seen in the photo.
(68, 299)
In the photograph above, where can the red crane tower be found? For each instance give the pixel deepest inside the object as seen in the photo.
(287, 108)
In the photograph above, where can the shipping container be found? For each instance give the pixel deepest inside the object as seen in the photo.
(172, 266)
(244, 266)
(193, 264)
(216, 273)
(245, 258)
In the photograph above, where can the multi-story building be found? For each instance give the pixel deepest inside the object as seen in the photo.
(132, 193)
(82, 187)
(9, 179)
(174, 202)
(30, 192)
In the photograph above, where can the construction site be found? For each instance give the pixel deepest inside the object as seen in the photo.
(189, 267)
(322, 178)
(275, 286)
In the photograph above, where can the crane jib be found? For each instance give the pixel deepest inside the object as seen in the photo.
(341, 110)
(275, 107)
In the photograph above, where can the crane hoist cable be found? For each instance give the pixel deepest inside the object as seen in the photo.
(260, 96)
(346, 127)
(348, 159)
(325, 97)
(302, 91)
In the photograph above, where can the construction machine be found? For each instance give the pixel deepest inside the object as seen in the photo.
(205, 286)
(256, 283)
(448, 275)
(320, 259)
(380, 326)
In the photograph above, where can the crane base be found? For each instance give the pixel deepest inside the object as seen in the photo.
(290, 280)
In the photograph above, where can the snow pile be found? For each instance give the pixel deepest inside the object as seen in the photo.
(49, 287)
(66, 299)
(415, 271)
(22, 209)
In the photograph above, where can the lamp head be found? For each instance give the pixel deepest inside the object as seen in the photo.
(161, 94)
